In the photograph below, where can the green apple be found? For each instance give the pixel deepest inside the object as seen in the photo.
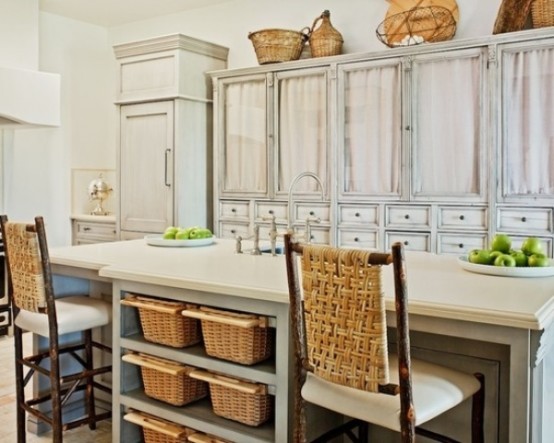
(532, 246)
(520, 258)
(502, 243)
(182, 234)
(198, 233)
(480, 256)
(505, 260)
(494, 255)
(169, 233)
(538, 261)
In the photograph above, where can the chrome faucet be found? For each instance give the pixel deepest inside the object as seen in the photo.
(295, 180)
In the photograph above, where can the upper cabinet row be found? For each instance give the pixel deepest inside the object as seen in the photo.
(466, 125)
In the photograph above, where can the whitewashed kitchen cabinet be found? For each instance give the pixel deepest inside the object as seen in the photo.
(165, 126)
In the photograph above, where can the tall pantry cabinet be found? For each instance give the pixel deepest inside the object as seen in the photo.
(164, 155)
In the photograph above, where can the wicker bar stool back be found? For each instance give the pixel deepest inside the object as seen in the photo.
(36, 310)
(339, 332)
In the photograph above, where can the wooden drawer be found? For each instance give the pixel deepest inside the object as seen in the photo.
(412, 217)
(266, 210)
(234, 210)
(320, 236)
(85, 232)
(412, 241)
(460, 244)
(525, 220)
(459, 217)
(359, 215)
(231, 230)
(319, 210)
(358, 239)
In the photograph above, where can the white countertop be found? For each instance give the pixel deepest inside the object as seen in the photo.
(437, 286)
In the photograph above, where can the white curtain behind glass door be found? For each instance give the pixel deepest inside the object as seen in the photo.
(528, 135)
(245, 137)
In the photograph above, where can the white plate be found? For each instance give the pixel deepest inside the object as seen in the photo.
(157, 240)
(505, 271)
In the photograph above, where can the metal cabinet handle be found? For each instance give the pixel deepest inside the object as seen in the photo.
(460, 245)
(233, 210)
(523, 219)
(86, 229)
(166, 177)
(406, 242)
(357, 214)
(407, 216)
(356, 239)
(462, 217)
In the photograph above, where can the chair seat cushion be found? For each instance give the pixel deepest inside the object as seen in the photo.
(75, 313)
(435, 388)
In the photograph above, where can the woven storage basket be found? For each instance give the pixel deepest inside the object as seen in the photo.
(325, 40)
(242, 338)
(278, 45)
(542, 13)
(163, 323)
(236, 399)
(168, 381)
(158, 430)
(427, 24)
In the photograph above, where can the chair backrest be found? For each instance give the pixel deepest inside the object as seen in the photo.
(338, 318)
(26, 251)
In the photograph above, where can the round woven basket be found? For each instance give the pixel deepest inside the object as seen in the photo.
(542, 13)
(278, 45)
(418, 25)
(325, 40)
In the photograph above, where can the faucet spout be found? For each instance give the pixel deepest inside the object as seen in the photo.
(295, 180)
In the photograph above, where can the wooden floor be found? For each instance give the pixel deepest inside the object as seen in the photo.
(7, 406)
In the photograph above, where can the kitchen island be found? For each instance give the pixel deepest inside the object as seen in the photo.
(501, 326)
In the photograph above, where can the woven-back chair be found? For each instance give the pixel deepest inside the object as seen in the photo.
(339, 330)
(36, 310)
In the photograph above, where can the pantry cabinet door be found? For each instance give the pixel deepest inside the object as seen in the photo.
(527, 135)
(146, 166)
(449, 126)
(370, 129)
(301, 128)
(242, 137)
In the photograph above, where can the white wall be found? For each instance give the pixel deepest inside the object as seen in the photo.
(38, 163)
(228, 24)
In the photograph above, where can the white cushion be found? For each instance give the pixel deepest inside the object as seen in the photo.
(435, 388)
(75, 313)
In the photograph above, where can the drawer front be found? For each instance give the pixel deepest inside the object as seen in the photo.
(359, 215)
(462, 218)
(460, 244)
(234, 210)
(531, 220)
(266, 210)
(358, 239)
(231, 230)
(318, 210)
(320, 236)
(96, 230)
(413, 217)
(412, 241)
(547, 243)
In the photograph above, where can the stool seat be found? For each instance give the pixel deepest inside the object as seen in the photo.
(435, 389)
(75, 313)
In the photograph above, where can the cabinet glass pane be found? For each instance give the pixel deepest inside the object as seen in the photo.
(372, 130)
(528, 122)
(446, 125)
(245, 152)
(302, 130)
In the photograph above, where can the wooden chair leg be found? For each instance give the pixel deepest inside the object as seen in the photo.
(19, 386)
(55, 388)
(478, 412)
(91, 407)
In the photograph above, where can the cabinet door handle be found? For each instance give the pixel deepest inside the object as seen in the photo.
(167, 153)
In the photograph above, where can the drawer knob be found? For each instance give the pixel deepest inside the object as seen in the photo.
(460, 245)
(357, 214)
(406, 242)
(523, 219)
(86, 229)
(407, 216)
(312, 213)
(233, 210)
(3, 318)
(233, 231)
(270, 211)
(462, 217)
(356, 239)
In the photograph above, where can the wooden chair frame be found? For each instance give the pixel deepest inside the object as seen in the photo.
(61, 386)
(408, 429)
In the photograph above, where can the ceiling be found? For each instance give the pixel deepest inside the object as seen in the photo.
(117, 12)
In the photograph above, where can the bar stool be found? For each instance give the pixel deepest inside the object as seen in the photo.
(36, 310)
(339, 329)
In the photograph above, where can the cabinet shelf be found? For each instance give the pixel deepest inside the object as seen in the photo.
(199, 416)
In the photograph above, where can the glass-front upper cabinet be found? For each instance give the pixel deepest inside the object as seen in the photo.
(527, 116)
(448, 126)
(242, 136)
(370, 129)
(301, 121)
